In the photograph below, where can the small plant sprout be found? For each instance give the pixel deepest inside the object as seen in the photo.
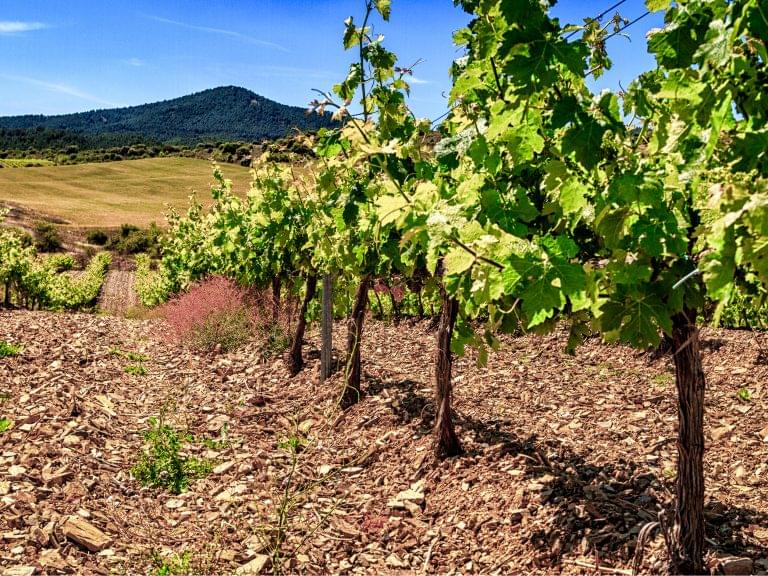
(744, 395)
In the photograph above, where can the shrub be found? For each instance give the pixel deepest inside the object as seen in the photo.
(134, 240)
(47, 238)
(212, 315)
(97, 237)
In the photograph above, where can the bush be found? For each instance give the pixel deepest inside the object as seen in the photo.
(47, 238)
(97, 237)
(134, 240)
(213, 315)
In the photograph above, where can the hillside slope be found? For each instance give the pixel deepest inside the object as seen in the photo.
(110, 194)
(225, 113)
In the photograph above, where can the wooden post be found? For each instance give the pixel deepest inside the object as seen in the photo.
(326, 328)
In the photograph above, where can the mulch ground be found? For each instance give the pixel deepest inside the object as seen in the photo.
(566, 458)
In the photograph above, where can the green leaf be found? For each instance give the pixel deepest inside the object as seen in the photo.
(458, 260)
(657, 5)
(389, 208)
(637, 321)
(611, 225)
(384, 7)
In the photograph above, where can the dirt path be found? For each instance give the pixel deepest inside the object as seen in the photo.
(117, 294)
(566, 458)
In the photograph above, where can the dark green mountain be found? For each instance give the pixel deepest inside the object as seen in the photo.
(225, 114)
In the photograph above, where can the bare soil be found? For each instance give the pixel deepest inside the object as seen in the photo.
(566, 458)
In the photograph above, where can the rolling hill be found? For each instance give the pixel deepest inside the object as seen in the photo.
(225, 113)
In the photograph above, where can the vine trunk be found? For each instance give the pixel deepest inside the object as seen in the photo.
(295, 360)
(352, 390)
(446, 442)
(687, 541)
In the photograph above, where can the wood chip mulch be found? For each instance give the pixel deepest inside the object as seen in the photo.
(566, 457)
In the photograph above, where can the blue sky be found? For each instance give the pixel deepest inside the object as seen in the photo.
(60, 57)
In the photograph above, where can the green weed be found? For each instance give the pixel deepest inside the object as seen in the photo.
(217, 443)
(173, 566)
(744, 395)
(663, 380)
(5, 424)
(162, 465)
(136, 370)
(7, 349)
(132, 356)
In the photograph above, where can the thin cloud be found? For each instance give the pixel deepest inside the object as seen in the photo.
(415, 80)
(60, 89)
(135, 62)
(15, 27)
(221, 31)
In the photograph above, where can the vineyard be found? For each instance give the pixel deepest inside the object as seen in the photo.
(552, 253)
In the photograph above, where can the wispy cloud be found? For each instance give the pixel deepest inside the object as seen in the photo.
(221, 31)
(415, 80)
(15, 27)
(60, 89)
(135, 62)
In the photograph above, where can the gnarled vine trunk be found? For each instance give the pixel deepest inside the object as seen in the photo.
(446, 441)
(295, 360)
(351, 393)
(687, 539)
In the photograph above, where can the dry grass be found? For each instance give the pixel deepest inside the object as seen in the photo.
(113, 193)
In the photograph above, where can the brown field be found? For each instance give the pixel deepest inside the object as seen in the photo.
(113, 193)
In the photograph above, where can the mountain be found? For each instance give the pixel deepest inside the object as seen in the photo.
(227, 113)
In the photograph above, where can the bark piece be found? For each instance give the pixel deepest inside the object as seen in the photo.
(85, 534)
(255, 566)
(736, 566)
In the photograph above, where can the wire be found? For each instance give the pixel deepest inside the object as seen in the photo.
(598, 17)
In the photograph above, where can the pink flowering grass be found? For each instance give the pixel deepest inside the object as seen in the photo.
(212, 315)
(217, 315)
